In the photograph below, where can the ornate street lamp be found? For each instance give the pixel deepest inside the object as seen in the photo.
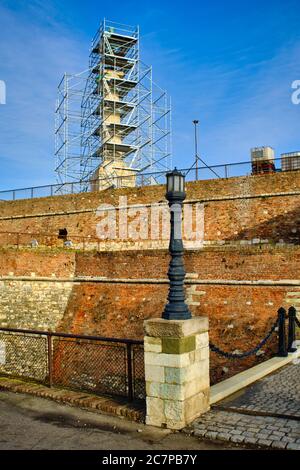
(176, 308)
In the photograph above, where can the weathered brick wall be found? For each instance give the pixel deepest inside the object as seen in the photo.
(111, 293)
(40, 262)
(240, 209)
(249, 265)
(253, 262)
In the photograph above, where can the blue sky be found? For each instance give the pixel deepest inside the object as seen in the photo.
(229, 64)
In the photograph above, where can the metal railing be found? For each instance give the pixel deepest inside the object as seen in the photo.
(95, 364)
(205, 172)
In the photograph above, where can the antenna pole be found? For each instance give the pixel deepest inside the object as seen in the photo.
(195, 122)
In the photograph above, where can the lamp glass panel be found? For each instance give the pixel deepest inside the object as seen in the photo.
(176, 183)
(169, 183)
(182, 184)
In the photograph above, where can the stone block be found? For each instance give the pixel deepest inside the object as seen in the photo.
(176, 425)
(156, 421)
(155, 408)
(155, 374)
(175, 375)
(196, 386)
(165, 391)
(187, 410)
(167, 360)
(178, 375)
(178, 345)
(158, 327)
(192, 356)
(202, 340)
(152, 344)
(152, 340)
(196, 371)
(174, 410)
(202, 354)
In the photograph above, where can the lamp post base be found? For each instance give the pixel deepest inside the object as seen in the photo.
(176, 371)
(180, 312)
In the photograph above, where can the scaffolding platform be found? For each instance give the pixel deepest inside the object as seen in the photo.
(122, 107)
(116, 120)
(117, 40)
(116, 129)
(114, 147)
(117, 61)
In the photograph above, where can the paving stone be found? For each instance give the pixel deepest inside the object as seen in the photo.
(263, 435)
(294, 424)
(278, 445)
(201, 426)
(211, 435)
(288, 439)
(223, 436)
(278, 394)
(237, 439)
(254, 430)
(278, 433)
(293, 446)
(295, 434)
(264, 442)
(250, 440)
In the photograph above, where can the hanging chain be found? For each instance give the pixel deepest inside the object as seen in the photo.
(247, 353)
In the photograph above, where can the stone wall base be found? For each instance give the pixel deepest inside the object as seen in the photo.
(176, 371)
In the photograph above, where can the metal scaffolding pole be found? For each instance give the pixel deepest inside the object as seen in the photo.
(113, 123)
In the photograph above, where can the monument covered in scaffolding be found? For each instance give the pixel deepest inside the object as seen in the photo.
(113, 123)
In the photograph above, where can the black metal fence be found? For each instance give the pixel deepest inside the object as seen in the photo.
(203, 172)
(110, 366)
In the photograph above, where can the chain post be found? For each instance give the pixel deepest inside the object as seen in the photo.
(292, 329)
(282, 347)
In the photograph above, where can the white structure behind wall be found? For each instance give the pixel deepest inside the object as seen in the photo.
(113, 123)
(290, 161)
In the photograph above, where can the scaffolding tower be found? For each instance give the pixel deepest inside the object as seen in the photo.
(113, 123)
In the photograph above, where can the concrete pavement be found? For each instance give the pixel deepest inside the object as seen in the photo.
(28, 422)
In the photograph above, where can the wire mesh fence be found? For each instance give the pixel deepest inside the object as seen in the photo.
(86, 363)
(24, 355)
(138, 371)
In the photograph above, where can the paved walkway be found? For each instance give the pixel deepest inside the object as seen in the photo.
(29, 422)
(265, 414)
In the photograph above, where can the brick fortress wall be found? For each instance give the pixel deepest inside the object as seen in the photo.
(247, 268)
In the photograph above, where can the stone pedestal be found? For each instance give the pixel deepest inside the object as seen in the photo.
(176, 371)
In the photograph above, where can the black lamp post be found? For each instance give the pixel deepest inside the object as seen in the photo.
(176, 308)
